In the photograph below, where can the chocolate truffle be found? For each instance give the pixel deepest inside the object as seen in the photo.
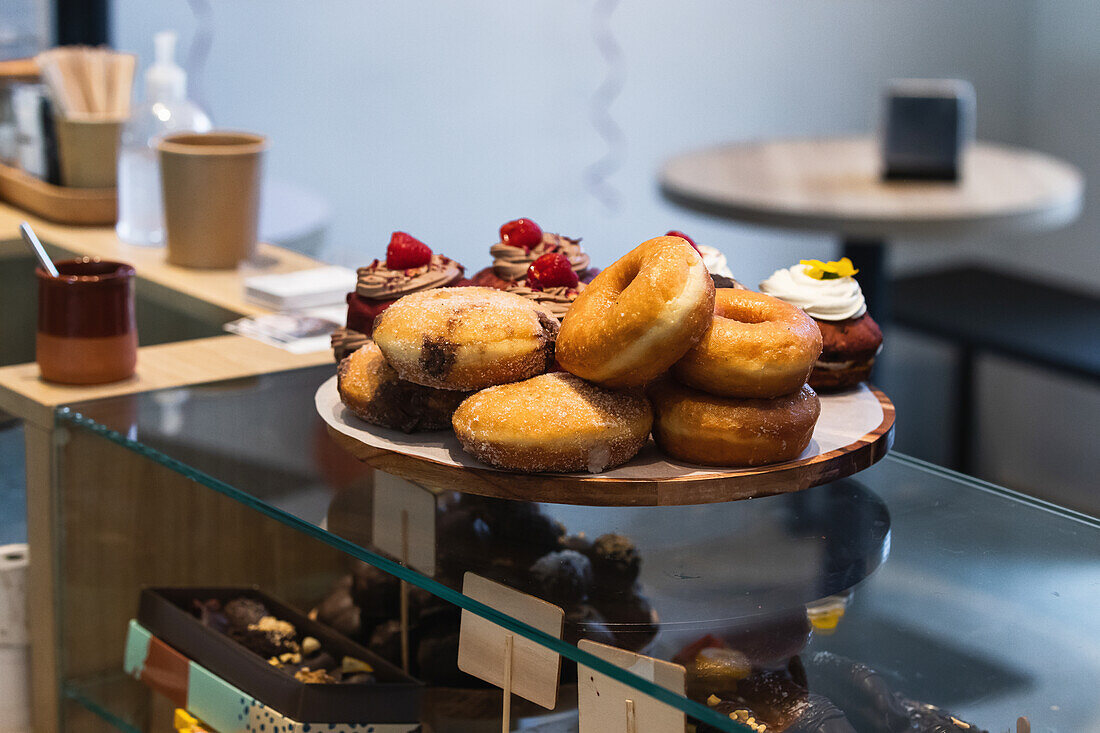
(243, 612)
(386, 641)
(615, 564)
(630, 618)
(376, 593)
(268, 637)
(339, 611)
(578, 542)
(563, 578)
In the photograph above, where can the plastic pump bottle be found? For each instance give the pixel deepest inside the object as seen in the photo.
(166, 109)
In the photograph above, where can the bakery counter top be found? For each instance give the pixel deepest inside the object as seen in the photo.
(960, 594)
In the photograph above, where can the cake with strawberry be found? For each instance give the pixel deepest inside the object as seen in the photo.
(714, 260)
(522, 241)
(410, 267)
(550, 281)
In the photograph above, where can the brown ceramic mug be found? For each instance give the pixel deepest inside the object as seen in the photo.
(87, 333)
(211, 187)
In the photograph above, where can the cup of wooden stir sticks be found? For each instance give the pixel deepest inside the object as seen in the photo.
(90, 89)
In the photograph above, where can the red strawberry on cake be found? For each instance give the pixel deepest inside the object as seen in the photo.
(550, 281)
(410, 266)
(522, 241)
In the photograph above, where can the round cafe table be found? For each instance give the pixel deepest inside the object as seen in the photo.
(835, 185)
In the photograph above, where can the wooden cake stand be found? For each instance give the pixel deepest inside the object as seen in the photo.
(854, 431)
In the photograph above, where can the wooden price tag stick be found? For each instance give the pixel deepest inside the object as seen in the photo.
(503, 658)
(404, 526)
(506, 712)
(405, 592)
(608, 706)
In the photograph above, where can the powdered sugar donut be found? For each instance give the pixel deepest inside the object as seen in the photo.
(466, 338)
(553, 422)
(371, 389)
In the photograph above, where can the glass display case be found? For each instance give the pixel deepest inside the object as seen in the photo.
(903, 597)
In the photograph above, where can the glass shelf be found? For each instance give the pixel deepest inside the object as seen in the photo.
(115, 699)
(961, 594)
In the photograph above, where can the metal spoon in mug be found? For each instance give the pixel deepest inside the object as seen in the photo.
(39, 251)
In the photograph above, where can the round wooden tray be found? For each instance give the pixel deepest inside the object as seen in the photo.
(854, 431)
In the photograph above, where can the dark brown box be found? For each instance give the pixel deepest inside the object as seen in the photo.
(394, 697)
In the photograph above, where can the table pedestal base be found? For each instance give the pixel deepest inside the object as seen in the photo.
(869, 257)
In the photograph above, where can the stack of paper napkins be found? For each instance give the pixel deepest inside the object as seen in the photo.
(302, 289)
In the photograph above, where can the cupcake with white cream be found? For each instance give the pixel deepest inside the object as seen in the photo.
(829, 294)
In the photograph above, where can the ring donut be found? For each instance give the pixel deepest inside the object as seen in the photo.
(700, 428)
(639, 316)
(756, 346)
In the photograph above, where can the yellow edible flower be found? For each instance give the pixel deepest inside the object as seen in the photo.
(829, 270)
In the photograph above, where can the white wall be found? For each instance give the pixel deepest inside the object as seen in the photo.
(447, 119)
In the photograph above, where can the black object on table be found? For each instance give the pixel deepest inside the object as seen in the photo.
(981, 310)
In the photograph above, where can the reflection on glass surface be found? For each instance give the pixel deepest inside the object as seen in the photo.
(925, 588)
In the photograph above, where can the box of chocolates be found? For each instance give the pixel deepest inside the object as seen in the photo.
(297, 667)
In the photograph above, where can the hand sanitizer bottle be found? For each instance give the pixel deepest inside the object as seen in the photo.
(166, 109)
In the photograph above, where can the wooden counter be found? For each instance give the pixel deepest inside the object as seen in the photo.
(218, 296)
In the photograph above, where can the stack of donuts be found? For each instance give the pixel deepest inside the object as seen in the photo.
(725, 369)
(717, 376)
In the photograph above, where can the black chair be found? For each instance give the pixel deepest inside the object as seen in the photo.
(982, 310)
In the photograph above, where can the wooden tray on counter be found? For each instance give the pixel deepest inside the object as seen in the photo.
(61, 204)
(855, 430)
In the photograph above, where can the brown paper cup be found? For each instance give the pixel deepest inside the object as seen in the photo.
(211, 187)
(88, 152)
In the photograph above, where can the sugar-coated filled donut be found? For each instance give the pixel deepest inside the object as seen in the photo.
(466, 338)
(553, 422)
(756, 346)
(371, 389)
(639, 316)
(701, 428)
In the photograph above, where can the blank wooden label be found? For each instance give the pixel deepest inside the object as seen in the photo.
(481, 643)
(394, 496)
(602, 700)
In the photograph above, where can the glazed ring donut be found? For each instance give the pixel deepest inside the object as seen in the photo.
(639, 316)
(466, 338)
(371, 389)
(554, 422)
(697, 427)
(756, 346)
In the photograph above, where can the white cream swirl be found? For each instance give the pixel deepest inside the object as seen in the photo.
(825, 300)
(715, 261)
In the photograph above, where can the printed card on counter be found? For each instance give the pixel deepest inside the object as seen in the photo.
(299, 332)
